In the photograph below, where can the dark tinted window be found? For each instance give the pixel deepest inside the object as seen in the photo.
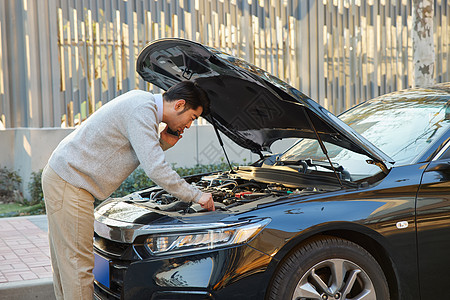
(446, 154)
(403, 125)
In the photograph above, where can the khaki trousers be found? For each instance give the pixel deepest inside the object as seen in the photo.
(70, 213)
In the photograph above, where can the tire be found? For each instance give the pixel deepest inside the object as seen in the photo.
(329, 268)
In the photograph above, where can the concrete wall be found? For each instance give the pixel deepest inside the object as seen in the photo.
(26, 150)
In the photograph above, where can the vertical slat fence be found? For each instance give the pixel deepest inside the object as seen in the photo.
(61, 60)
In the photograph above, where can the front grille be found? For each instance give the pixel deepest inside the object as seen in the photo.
(117, 275)
(102, 293)
(108, 247)
(119, 255)
(117, 272)
(182, 295)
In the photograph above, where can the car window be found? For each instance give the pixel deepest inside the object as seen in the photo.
(402, 126)
(445, 155)
(352, 162)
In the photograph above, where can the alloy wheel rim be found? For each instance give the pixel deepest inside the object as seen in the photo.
(337, 279)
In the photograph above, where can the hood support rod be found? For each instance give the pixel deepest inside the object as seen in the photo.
(221, 142)
(322, 146)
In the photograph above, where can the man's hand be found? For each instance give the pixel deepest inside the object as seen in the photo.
(206, 201)
(170, 138)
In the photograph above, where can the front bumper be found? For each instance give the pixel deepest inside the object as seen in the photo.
(219, 274)
(100, 293)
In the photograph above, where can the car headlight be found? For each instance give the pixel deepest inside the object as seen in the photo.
(232, 234)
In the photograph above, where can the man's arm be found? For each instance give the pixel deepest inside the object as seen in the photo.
(142, 132)
(168, 140)
(206, 201)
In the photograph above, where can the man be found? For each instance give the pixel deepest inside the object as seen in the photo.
(97, 157)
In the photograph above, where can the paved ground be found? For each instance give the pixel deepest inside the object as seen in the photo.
(25, 269)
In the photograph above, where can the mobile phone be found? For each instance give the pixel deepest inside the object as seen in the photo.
(170, 131)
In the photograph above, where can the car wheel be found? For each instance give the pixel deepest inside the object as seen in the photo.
(329, 268)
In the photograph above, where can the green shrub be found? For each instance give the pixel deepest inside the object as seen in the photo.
(35, 188)
(18, 209)
(10, 183)
(199, 169)
(13, 202)
(138, 179)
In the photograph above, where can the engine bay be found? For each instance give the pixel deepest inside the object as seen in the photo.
(229, 189)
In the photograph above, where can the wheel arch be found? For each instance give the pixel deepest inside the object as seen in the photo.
(361, 238)
(377, 251)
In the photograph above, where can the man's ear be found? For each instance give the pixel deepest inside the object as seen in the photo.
(179, 104)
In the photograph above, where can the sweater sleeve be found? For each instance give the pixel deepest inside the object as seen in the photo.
(164, 145)
(142, 132)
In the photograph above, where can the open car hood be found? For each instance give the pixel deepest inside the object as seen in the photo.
(250, 106)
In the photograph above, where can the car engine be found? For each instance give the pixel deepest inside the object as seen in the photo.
(227, 188)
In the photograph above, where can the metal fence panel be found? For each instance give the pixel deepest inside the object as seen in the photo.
(61, 60)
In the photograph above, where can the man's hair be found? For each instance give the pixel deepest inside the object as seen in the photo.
(194, 95)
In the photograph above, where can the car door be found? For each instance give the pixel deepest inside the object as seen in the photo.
(433, 228)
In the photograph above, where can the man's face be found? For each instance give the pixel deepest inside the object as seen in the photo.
(184, 117)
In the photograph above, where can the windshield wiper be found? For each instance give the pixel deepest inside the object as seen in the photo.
(307, 163)
(334, 167)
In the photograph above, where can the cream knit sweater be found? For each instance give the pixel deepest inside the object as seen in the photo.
(100, 154)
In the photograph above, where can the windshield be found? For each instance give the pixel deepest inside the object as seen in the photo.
(352, 162)
(403, 125)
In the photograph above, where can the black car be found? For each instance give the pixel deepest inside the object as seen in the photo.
(357, 208)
